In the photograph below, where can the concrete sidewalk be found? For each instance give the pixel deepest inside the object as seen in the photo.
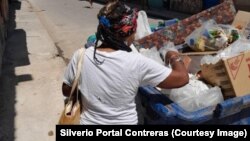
(30, 86)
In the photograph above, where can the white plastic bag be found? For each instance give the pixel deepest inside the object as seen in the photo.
(168, 46)
(152, 54)
(234, 49)
(204, 99)
(143, 27)
(193, 88)
(195, 95)
(133, 48)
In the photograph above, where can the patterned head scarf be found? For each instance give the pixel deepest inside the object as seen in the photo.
(118, 19)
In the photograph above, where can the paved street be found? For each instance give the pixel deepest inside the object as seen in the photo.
(42, 37)
(69, 23)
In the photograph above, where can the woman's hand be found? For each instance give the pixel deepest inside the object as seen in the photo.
(179, 75)
(172, 56)
(167, 52)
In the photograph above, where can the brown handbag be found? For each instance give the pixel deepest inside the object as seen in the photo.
(72, 110)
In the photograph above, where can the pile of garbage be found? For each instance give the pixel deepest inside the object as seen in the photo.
(218, 50)
(223, 48)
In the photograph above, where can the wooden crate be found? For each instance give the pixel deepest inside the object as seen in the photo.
(232, 75)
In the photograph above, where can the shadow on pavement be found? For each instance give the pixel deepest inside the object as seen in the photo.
(15, 55)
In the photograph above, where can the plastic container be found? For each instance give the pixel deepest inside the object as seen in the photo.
(161, 110)
(171, 22)
(163, 24)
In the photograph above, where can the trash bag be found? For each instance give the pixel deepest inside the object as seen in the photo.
(234, 49)
(152, 54)
(212, 37)
(163, 24)
(195, 95)
(143, 27)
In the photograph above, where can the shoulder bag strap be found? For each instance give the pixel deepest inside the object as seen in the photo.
(80, 59)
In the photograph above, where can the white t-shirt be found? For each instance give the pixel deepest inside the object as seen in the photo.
(109, 90)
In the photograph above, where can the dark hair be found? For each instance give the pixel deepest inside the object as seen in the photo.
(117, 21)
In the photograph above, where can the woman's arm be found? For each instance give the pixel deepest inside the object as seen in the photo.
(179, 75)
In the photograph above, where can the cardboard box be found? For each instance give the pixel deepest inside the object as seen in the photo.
(232, 75)
(242, 21)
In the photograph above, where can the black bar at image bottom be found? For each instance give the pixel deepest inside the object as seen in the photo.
(79, 132)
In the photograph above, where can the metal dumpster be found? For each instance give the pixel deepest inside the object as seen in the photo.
(158, 109)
